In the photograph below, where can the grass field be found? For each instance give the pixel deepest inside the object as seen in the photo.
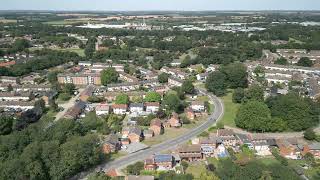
(196, 168)
(231, 110)
(62, 22)
(80, 52)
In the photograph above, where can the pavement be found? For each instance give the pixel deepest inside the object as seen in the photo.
(166, 145)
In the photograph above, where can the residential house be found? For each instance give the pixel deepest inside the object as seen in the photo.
(202, 77)
(136, 108)
(262, 146)
(152, 107)
(289, 148)
(190, 113)
(120, 109)
(198, 106)
(156, 126)
(9, 80)
(49, 96)
(16, 96)
(175, 120)
(313, 148)
(190, 152)
(17, 105)
(102, 109)
(245, 140)
(228, 137)
(172, 81)
(75, 111)
(148, 133)
(84, 63)
(159, 162)
(111, 144)
(135, 134)
(208, 145)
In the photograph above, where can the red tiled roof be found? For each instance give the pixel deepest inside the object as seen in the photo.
(119, 106)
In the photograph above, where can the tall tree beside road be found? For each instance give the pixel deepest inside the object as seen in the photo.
(109, 75)
(217, 83)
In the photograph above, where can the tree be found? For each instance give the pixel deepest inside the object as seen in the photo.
(281, 61)
(122, 99)
(238, 95)
(305, 61)
(152, 97)
(6, 124)
(163, 78)
(310, 160)
(52, 77)
(253, 116)
(217, 83)
(10, 88)
(109, 75)
(53, 105)
(187, 87)
(254, 93)
(236, 75)
(99, 176)
(309, 134)
(135, 169)
(294, 110)
(69, 88)
(172, 102)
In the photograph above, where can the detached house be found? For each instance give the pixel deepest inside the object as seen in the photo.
(159, 162)
(198, 106)
(111, 144)
(174, 121)
(152, 107)
(102, 109)
(120, 109)
(156, 126)
(190, 152)
(133, 134)
(289, 148)
(136, 108)
(313, 148)
(228, 137)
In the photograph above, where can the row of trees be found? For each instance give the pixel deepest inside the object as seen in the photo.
(277, 113)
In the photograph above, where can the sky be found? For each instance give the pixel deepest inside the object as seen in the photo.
(148, 5)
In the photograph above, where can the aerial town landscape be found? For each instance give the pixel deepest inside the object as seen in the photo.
(168, 94)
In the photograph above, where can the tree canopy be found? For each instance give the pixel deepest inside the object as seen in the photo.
(109, 75)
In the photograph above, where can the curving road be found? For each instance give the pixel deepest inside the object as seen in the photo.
(166, 145)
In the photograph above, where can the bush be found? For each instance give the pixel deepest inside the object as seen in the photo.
(309, 134)
(64, 96)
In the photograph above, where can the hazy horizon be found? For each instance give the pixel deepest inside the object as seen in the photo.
(161, 5)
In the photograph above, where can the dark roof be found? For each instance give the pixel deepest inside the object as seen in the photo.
(135, 130)
(112, 139)
(136, 105)
(163, 158)
(76, 109)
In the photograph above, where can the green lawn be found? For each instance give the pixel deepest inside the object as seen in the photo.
(63, 22)
(230, 110)
(196, 168)
(80, 52)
